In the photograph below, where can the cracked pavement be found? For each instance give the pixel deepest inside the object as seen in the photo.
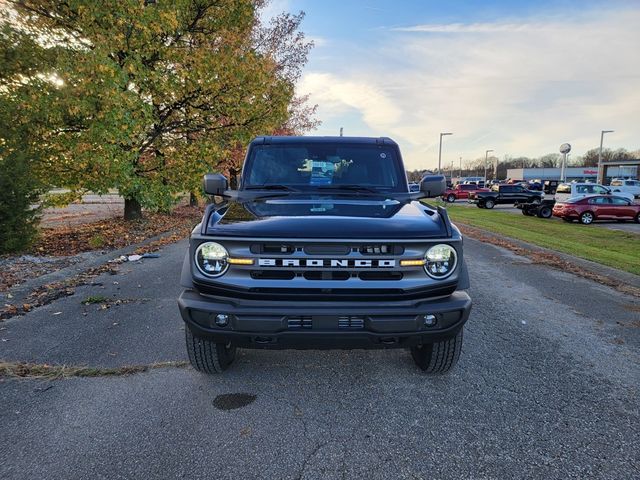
(547, 387)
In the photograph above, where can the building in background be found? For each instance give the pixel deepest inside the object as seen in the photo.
(574, 173)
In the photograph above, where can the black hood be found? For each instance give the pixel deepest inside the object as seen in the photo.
(326, 216)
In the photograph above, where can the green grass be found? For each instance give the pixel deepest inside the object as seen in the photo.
(616, 249)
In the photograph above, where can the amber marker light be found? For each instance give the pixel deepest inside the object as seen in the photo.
(240, 261)
(413, 263)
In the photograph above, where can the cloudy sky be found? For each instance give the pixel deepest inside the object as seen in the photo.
(513, 76)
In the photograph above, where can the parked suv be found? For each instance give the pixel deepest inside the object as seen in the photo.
(565, 191)
(323, 246)
(500, 194)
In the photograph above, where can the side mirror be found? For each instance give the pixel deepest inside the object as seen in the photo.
(433, 185)
(214, 183)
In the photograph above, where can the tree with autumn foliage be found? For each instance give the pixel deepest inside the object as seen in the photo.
(146, 96)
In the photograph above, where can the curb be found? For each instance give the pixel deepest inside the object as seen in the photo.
(619, 275)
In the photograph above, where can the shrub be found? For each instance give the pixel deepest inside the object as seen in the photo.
(19, 196)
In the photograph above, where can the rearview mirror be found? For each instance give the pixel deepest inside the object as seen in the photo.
(433, 185)
(214, 183)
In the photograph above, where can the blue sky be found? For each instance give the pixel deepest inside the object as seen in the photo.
(513, 76)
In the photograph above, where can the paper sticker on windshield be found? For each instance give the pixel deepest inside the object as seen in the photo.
(322, 173)
(383, 155)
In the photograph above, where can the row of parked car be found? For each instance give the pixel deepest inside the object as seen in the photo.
(582, 201)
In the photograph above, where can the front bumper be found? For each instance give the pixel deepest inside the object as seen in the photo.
(279, 325)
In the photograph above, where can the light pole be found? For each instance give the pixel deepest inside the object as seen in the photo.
(486, 156)
(600, 169)
(440, 150)
(460, 176)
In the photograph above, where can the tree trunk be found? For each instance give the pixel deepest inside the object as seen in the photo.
(132, 209)
(193, 200)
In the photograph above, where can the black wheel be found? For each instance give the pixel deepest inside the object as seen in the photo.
(489, 204)
(438, 357)
(587, 218)
(207, 356)
(451, 198)
(544, 212)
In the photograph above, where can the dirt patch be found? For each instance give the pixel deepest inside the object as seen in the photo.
(15, 270)
(56, 372)
(60, 247)
(49, 292)
(549, 259)
(114, 233)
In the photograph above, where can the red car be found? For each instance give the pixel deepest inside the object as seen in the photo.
(462, 190)
(597, 207)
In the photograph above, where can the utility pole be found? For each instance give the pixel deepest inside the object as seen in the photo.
(486, 156)
(600, 167)
(460, 176)
(440, 151)
(341, 130)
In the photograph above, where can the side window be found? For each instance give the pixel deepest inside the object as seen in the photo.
(600, 190)
(506, 189)
(582, 189)
(518, 189)
(599, 201)
(619, 201)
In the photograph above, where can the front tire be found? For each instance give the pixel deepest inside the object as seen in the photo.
(451, 198)
(438, 357)
(207, 356)
(489, 204)
(587, 218)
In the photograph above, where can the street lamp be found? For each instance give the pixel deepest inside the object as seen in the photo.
(440, 150)
(486, 156)
(600, 169)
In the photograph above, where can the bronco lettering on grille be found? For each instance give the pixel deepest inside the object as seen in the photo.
(325, 263)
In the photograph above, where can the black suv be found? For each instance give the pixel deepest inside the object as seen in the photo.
(501, 194)
(323, 246)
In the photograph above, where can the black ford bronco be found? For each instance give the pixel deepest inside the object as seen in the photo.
(323, 246)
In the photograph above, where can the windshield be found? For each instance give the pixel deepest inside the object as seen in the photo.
(322, 165)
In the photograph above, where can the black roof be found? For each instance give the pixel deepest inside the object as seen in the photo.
(317, 139)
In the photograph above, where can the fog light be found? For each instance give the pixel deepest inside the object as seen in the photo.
(430, 320)
(222, 320)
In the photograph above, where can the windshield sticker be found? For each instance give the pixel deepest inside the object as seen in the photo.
(322, 173)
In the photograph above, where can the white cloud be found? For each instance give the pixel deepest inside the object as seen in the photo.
(470, 28)
(519, 87)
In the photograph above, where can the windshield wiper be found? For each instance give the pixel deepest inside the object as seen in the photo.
(353, 188)
(271, 186)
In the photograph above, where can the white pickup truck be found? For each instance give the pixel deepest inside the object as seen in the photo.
(566, 191)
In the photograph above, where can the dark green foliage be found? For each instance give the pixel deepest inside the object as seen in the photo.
(18, 193)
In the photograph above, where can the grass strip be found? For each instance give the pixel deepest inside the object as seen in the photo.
(57, 372)
(613, 248)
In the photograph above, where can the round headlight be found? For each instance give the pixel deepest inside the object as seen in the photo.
(441, 261)
(212, 259)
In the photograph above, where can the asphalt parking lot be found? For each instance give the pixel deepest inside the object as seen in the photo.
(547, 387)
